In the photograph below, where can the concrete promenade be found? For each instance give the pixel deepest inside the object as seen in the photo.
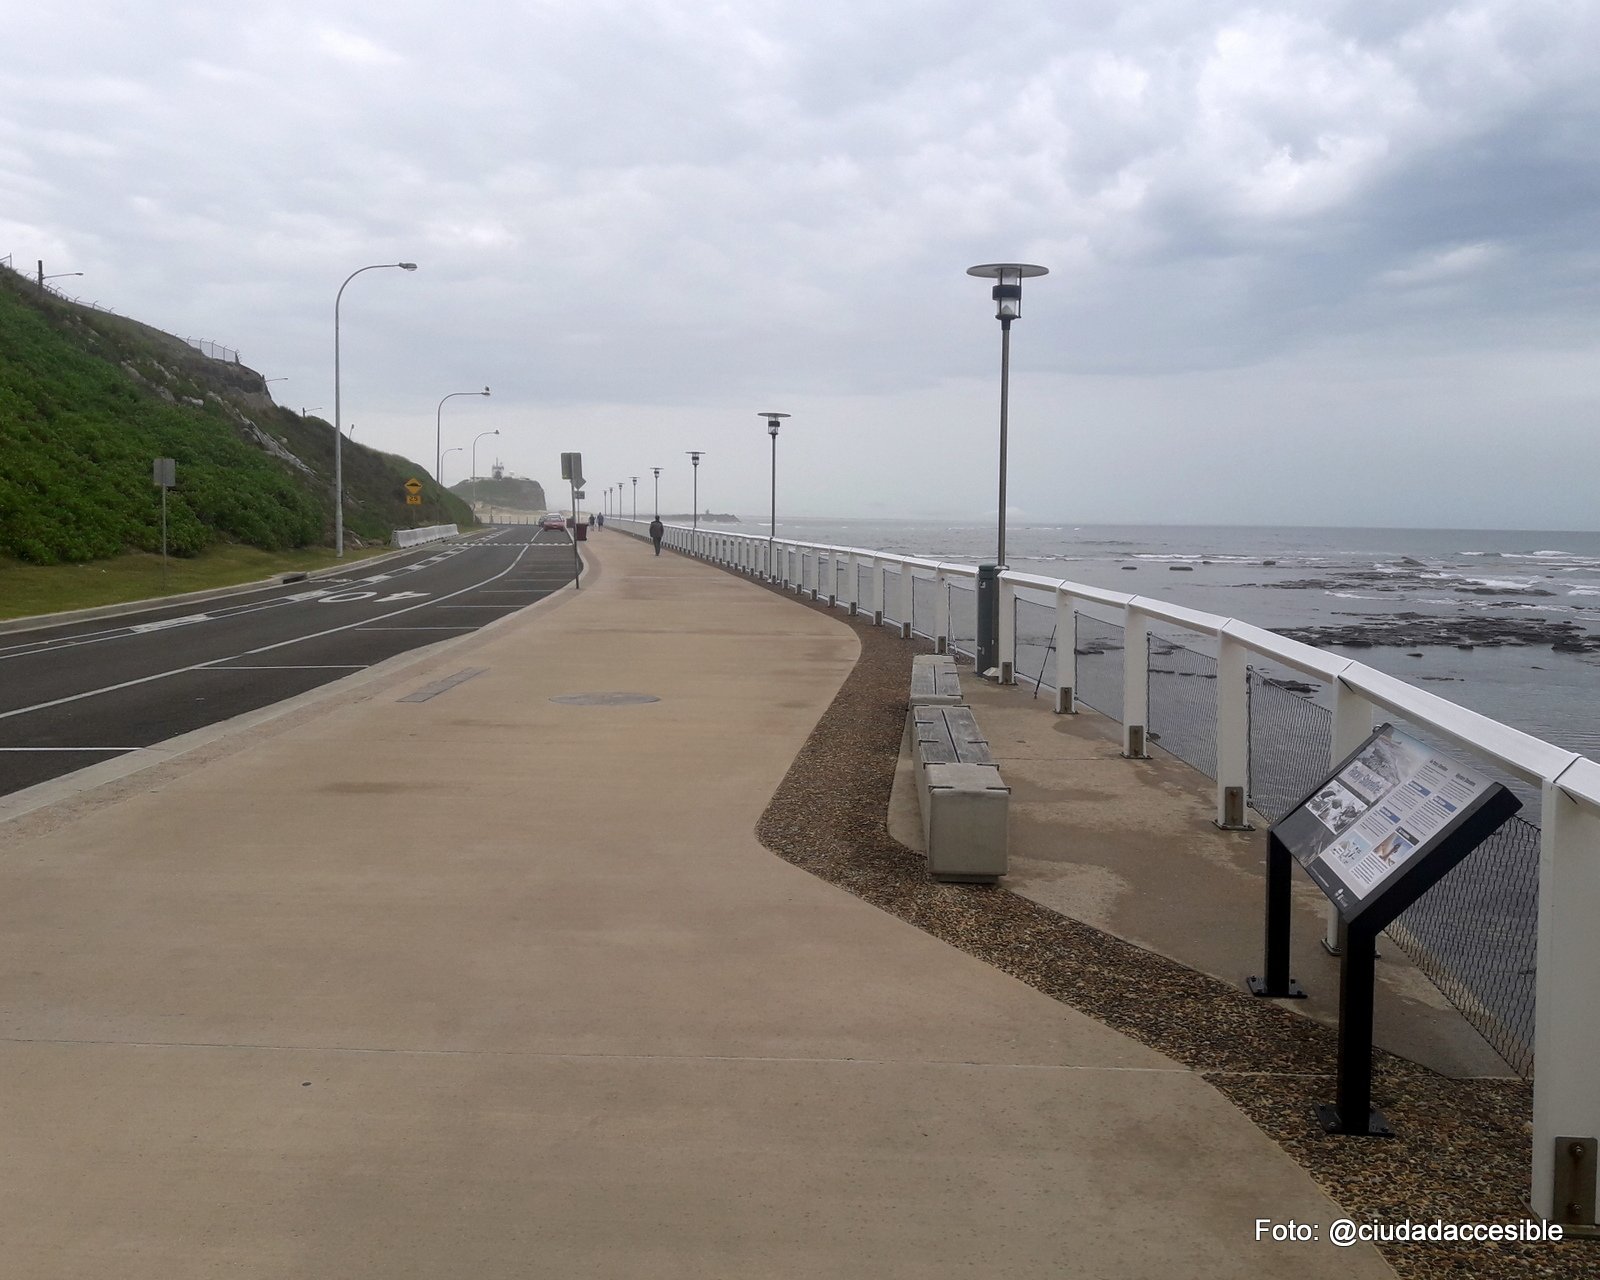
(491, 985)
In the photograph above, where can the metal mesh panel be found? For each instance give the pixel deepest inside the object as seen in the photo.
(1099, 666)
(1036, 636)
(923, 606)
(1291, 738)
(963, 619)
(1183, 703)
(1475, 935)
(863, 586)
(891, 595)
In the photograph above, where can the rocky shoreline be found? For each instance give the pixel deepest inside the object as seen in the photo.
(1409, 630)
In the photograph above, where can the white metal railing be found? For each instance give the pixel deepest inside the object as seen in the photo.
(1566, 1035)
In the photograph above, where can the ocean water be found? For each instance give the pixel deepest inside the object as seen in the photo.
(1291, 578)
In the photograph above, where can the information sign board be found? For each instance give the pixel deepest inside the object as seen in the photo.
(1372, 830)
(413, 485)
(413, 499)
(1390, 822)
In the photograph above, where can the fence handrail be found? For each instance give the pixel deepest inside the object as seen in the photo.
(1528, 757)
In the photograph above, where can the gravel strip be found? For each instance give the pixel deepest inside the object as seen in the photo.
(1462, 1153)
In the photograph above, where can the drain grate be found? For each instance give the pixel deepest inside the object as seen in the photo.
(603, 699)
(440, 686)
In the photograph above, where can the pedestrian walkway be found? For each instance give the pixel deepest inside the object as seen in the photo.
(473, 966)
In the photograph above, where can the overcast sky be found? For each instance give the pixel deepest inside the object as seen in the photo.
(1321, 262)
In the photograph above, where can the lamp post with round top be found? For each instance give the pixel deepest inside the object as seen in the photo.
(772, 531)
(1007, 295)
(694, 457)
(338, 428)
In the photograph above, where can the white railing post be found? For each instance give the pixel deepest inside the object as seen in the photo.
(1352, 722)
(1566, 1034)
(941, 611)
(1066, 653)
(1233, 733)
(1135, 683)
(904, 604)
(1008, 631)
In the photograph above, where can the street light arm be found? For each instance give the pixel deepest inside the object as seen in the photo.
(438, 427)
(338, 426)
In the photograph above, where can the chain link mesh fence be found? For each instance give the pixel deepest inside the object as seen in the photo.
(963, 619)
(1099, 665)
(891, 596)
(1183, 702)
(924, 607)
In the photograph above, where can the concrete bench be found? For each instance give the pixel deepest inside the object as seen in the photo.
(934, 681)
(963, 801)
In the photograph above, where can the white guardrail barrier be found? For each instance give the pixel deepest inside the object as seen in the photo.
(428, 533)
(1566, 1037)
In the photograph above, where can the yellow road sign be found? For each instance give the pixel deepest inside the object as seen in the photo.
(413, 486)
(413, 499)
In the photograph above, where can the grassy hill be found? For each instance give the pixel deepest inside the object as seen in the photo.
(512, 492)
(89, 399)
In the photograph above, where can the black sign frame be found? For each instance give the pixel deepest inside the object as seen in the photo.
(1305, 834)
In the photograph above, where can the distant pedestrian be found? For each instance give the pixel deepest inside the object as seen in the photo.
(657, 532)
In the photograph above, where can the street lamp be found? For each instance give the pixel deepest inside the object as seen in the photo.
(694, 456)
(438, 428)
(306, 413)
(460, 448)
(1007, 294)
(475, 440)
(636, 498)
(338, 430)
(772, 430)
(657, 471)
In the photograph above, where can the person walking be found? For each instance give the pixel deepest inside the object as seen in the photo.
(657, 532)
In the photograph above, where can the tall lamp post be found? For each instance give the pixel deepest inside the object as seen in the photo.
(657, 471)
(772, 531)
(438, 429)
(636, 498)
(458, 449)
(338, 429)
(475, 440)
(1007, 295)
(694, 456)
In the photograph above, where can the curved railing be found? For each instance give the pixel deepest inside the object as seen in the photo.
(1561, 853)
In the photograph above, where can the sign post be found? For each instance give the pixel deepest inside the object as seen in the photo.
(1386, 827)
(572, 473)
(164, 475)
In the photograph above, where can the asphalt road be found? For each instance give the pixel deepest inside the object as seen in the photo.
(77, 694)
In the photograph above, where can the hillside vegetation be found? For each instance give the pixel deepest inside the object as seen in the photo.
(88, 400)
(515, 493)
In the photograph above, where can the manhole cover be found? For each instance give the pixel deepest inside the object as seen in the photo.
(603, 699)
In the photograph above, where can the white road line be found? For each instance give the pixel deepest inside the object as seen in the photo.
(30, 648)
(327, 666)
(420, 628)
(248, 653)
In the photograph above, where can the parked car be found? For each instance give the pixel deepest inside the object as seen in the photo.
(553, 520)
